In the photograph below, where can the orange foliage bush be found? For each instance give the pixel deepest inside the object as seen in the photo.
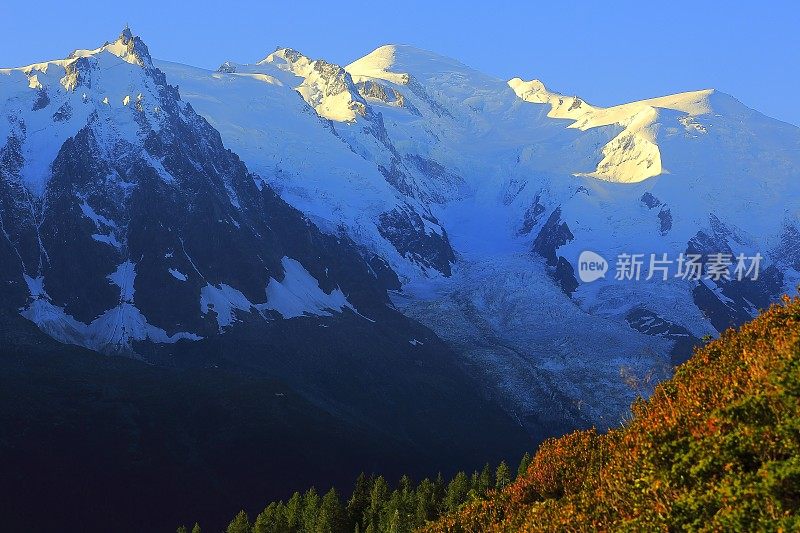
(717, 447)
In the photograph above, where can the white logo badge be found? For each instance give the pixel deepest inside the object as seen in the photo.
(591, 266)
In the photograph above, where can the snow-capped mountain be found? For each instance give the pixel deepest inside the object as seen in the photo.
(128, 219)
(132, 226)
(129, 228)
(518, 180)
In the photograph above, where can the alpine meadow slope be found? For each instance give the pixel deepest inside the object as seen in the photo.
(715, 448)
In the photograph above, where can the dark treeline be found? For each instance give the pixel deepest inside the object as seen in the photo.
(373, 506)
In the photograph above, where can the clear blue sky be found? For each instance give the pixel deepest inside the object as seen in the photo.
(606, 52)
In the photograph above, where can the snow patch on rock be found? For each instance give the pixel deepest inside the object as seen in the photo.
(112, 332)
(223, 300)
(299, 294)
(177, 274)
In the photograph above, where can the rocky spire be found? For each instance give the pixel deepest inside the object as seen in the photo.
(135, 46)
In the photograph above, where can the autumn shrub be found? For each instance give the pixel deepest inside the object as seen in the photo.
(715, 448)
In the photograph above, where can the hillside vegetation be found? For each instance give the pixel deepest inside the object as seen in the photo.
(715, 448)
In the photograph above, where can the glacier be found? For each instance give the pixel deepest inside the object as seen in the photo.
(489, 162)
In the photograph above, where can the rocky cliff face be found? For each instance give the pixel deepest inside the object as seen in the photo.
(143, 226)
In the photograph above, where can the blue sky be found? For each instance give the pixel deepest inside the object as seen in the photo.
(606, 52)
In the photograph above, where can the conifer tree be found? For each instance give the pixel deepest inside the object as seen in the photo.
(406, 503)
(439, 492)
(502, 476)
(265, 520)
(391, 510)
(377, 498)
(457, 491)
(373, 506)
(474, 485)
(272, 519)
(523, 464)
(310, 510)
(240, 524)
(331, 517)
(404, 485)
(294, 512)
(281, 521)
(485, 480)
(395, 523)
(425, 503)
(358, 502)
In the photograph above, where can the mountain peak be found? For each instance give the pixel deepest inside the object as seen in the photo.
(382, 64)
(126, 33)
(397, 63)
(285, 57)
(127, 46)
(530, 91)
(133, 46)
(325, 86)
